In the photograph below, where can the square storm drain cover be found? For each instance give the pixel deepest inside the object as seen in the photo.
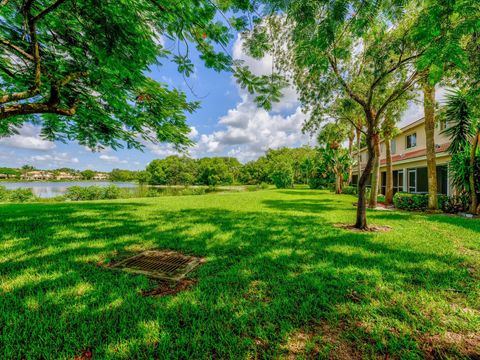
(161, 264)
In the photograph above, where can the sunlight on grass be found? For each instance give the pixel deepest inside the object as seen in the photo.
(278, 278)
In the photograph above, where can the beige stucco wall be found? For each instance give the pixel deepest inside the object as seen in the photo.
(418, 128)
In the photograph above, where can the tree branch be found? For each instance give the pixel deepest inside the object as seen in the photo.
(17, 49)
(36, 108)
(354, 96)
(48, 10)
(399, 92)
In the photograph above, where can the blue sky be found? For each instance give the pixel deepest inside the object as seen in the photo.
(228, 123)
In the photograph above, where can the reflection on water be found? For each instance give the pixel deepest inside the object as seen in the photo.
(52, 189)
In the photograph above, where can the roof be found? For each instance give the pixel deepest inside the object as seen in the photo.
(417, 153)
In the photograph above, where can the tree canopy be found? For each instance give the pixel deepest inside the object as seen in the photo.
(79, 68)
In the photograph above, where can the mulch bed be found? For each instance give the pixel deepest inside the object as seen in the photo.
(371, 228)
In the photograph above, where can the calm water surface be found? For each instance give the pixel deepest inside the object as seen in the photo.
(51, 189)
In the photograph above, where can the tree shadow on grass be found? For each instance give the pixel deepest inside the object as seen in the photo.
(267, 274)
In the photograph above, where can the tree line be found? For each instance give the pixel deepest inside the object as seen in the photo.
(355, 61)
(282, 167)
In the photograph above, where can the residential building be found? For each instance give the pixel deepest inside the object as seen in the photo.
(67, 176)
(409, 161)
(101, 176)
(37, 175)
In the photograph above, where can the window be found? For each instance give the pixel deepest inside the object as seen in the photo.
(443, 125)
(412, 180)
(411, 140)
(393, 146)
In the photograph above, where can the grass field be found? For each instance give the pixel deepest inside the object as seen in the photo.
(279, 280)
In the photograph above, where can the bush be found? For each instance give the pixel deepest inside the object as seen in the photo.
(453, 204)
(3, 193)
(410, 202)
(350, 190)
(78, 193)
(448, 204)
(318, 183)
(16, 195)
(282, 176)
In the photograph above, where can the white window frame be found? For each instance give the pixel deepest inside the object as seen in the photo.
(393, 146)
(406, 140)
(413, 171)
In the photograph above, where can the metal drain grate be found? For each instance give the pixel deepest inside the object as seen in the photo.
(162, 264)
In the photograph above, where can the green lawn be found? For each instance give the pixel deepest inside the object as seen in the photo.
(279, 280)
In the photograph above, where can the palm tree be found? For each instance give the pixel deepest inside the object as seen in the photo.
(331, 136)
(429, 111)
(464, 132)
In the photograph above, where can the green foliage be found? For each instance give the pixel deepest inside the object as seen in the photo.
(275, 267)
(458, 115)
(460, 170)
(350, 190)
(10, 172)
(87, 174)
(79, 69)
(453, 204)
(173, 170)
(78, 193)
(411, 202)
(16, 195)
(217, 171)
(123, 175)
(281, 175)
(419, 202)
(255, 172)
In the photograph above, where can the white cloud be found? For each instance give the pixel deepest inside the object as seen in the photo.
(55, 159)
(28, 137)
(264, 67)
(415, 111)
(193, 132)
(250, 131)
(112, 159)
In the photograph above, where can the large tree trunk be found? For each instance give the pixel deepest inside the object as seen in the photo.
(473, 193)
(429, 109)
(361, 222)
(389, 182)
(375, 172)
(359, 157)
(351, 137)
(338, 182)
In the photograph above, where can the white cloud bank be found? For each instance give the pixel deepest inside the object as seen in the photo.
(28, 137)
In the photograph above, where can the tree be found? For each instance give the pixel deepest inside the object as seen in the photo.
(331, 137)
(359, 49)
(388, 129)
(123, 175)
(87, 174)
(214, 171)
(429, 111)
(255, 172)
(282, 174)
(78, 68)
(464, 132)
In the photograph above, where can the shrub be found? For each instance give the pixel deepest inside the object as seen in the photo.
(318, 183)
(453, 204)
(78, 193)
(3, 193)
(350, 190)
(282, 175)
(16, 195)
(411, 202)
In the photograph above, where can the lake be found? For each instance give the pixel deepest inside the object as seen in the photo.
(46, 189)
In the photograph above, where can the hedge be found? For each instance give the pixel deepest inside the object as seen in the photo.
(419, 202)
